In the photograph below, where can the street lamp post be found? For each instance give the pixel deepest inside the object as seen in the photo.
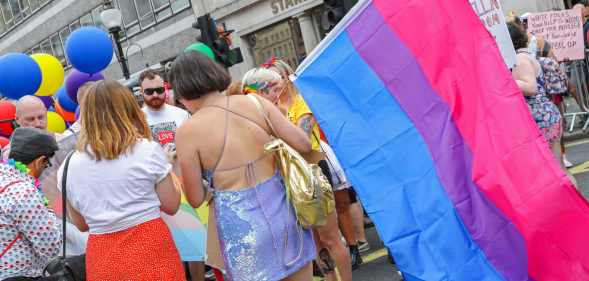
(112, 19)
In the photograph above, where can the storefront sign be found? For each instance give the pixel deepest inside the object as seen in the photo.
(563, 30)
(490, 13)
(279, 6)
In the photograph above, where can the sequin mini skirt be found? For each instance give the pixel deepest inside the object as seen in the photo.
(259, 235)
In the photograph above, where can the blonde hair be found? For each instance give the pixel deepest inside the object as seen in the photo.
(111, 120)
(285, 71)
(258, 79)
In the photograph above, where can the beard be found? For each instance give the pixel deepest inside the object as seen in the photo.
(155, 103)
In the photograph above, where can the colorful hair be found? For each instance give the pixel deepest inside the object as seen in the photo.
(258, 79)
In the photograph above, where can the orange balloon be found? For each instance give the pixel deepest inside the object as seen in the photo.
(67, 116)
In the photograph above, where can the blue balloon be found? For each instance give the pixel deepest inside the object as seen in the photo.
(65, 101)
(89, 49)
(20, 75)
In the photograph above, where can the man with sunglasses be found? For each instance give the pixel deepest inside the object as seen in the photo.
(163, 119)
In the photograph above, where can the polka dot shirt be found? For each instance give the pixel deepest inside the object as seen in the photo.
(23, 215)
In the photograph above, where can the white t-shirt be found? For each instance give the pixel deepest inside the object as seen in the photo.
(114, 195)
(164, 122)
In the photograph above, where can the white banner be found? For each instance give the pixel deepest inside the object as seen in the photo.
(493, 18)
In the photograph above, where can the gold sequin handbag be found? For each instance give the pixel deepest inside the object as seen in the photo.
(307, 189)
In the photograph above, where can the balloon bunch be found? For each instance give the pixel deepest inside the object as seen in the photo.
(88, 49)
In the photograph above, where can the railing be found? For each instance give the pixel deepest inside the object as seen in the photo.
(579, 73)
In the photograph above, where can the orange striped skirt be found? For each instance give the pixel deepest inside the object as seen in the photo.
(143, 252)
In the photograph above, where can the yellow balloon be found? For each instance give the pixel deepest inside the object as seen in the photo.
(52, 74)
(55, 123)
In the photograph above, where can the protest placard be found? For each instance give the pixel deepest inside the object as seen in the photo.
(563, 30)
(490, 13)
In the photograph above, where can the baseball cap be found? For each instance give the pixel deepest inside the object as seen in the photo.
(28, 144)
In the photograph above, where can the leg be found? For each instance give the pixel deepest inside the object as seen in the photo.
(555, 147)
(573, 90)
(346, 225)
(197, 271)
(304, 274)
(330, 238)
(357, 216)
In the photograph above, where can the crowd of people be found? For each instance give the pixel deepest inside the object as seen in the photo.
(545, 82)
(197, 138)
(200, 137)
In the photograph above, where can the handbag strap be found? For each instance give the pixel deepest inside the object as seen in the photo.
(264, 113)
(19, 235)
(64, 200)
(261, 109)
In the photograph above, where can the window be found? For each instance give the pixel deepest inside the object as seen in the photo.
(13, 12)
(86, 20)
(57, 47)
(35, 50)
(139, 15)
(96, 18)
(46, 47)
(75, 25)
(179, 5)
(145, 13)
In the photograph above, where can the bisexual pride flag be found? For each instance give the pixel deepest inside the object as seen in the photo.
(437, 138)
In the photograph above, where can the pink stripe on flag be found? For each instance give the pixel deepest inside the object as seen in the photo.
(512, 163)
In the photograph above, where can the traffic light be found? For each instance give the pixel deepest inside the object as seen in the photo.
(335, 10)
(218, 39)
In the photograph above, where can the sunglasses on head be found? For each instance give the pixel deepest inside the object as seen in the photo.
(151, 91)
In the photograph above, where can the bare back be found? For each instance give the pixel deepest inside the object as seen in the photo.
(243, 141)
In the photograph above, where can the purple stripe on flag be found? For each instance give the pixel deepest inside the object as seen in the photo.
(395, 65)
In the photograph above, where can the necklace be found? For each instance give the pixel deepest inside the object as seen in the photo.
(19, 166)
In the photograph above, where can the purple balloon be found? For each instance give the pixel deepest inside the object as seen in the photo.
(47, 100)
(77, 113)
(76, 79)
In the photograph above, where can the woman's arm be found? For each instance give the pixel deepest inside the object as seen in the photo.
(525, 75)
(189, 161)
(77, 219)
(169, 194)
(291, 134)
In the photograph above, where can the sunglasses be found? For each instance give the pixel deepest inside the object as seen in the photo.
(151, 91)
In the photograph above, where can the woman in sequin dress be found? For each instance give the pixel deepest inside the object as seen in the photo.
(224, 143)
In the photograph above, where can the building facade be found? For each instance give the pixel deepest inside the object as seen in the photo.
(519, 7)
(288, 29)
(154, 31)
